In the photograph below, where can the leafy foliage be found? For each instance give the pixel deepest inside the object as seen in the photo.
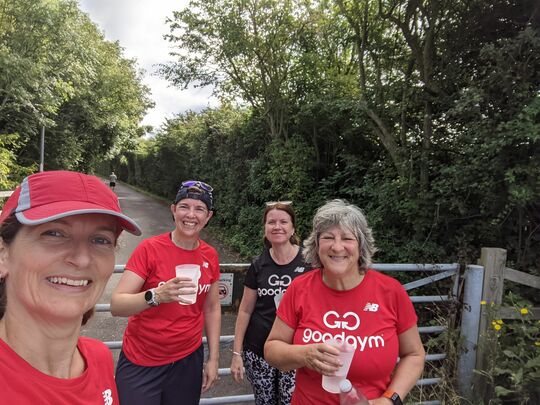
(10, 172)
(57, 71)
(458, 102)
(513, 348)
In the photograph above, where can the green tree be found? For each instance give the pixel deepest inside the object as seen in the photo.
(10, 172)
(247, 49)
(57, 71)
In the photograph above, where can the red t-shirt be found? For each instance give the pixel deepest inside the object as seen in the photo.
(369, 316)
(22, 384)
(169, 332)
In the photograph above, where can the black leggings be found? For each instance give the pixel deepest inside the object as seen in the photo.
(270, 386)
(172, 384)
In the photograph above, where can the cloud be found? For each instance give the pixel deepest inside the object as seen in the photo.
(139, 27)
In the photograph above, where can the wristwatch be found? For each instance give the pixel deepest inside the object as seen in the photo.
(150, 297)
(393, 396)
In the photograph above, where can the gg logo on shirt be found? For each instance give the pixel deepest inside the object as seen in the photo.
(275, 281)
(349, 321)
(283, 281)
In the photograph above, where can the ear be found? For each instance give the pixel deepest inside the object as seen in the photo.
(210, 214)
(173, 208)
(4, 258)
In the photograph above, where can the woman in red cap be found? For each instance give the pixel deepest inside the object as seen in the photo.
(57, 251)
(162, 353)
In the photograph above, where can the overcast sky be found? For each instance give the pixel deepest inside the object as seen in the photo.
(139, 26)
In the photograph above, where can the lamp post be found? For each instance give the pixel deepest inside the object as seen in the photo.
(42, 148)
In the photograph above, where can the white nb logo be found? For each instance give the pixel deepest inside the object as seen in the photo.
(299, 269)
(107, 397)
(205, 265)
(371, 307)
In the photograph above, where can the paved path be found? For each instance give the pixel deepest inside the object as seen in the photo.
(154, 217)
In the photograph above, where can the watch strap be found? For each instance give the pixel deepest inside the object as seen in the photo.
(393, 396)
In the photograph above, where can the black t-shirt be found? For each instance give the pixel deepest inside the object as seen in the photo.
(269, 279)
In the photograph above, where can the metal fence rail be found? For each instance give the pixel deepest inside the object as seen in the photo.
(442, 271)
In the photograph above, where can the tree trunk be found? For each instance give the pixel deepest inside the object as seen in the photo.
(361, 30)
(426, 145)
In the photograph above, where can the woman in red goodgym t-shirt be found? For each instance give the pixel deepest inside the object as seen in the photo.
(162, 351)
(346, 300)
(58, 234)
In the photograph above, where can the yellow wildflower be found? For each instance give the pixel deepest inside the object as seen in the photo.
(499, 321)
(483, 302)
(524, 311)
(537, 343)
(497, 326)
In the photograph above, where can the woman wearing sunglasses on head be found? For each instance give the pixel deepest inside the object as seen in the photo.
(266, 280)
(162, 353)
(58, 236)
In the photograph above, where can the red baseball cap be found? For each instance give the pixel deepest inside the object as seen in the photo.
(47, 196)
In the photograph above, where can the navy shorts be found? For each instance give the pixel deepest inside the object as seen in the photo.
(175, 383)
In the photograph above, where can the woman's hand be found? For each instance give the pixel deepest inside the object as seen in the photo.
(173, 290)
(322, 358)
(210, 375)
(237, 368)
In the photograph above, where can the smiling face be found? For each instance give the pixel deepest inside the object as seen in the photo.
(58, 270)
(278, 227)
(190, 217)
(339, 252)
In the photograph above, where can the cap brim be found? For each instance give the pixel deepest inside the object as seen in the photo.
(50, 212)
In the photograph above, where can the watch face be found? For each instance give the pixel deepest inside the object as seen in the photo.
(148, 296)
(396, 399)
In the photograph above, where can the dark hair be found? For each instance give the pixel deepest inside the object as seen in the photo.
(8, 231)
(294, 239)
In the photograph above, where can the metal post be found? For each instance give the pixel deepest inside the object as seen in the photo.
(470, 324)
(42, 149)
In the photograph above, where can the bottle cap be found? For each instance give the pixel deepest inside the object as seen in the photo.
(345, 386)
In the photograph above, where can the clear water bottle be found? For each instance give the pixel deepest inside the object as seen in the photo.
(348, 395)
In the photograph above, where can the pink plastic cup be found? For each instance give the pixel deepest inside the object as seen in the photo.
(346, 354)
(193, 271)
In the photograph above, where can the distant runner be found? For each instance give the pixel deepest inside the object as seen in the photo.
(112, 180)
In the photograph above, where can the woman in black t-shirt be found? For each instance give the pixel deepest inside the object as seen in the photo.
(266, 280)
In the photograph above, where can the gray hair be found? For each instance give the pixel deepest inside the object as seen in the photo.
(346, 216)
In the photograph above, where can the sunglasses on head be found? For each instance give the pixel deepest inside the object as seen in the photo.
(196, 183)
(274, 203)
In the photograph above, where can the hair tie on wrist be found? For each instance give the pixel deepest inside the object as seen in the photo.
(238, 354)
